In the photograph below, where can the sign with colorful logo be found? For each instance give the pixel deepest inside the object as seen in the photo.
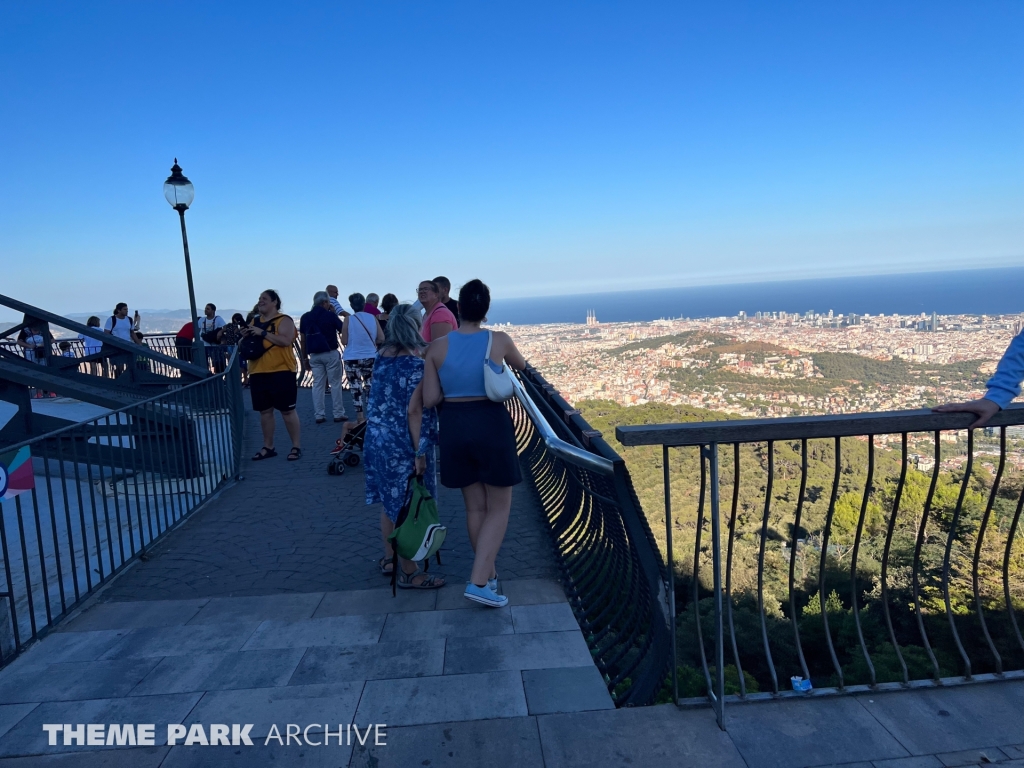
(16, 473)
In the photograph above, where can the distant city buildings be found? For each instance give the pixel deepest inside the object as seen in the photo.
(636, 363)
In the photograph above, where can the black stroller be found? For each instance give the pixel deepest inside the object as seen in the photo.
(345, 454)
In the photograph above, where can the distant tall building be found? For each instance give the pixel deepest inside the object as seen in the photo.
(591, 317)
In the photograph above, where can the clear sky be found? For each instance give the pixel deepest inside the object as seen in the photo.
(548, 148)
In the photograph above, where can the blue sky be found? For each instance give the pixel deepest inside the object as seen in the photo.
(546, 148)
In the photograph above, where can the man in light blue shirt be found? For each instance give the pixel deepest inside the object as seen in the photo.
(332, 293)
(1003, 387)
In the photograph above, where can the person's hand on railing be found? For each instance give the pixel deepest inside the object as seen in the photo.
(984, 409)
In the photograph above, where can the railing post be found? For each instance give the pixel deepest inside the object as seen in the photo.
(671, 574)
(8, 636)
(233, 382)
(716, 566)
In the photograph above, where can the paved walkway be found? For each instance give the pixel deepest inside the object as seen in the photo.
(266, 608)
(290, 527)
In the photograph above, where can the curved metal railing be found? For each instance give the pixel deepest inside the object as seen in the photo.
(84, 501)
(611, 568)
(868, 551)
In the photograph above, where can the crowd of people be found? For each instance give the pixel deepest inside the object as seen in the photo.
(401, 363)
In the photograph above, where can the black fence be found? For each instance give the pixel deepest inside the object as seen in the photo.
(79, 504)
(861, 552)
(217, 356)
(611, 568)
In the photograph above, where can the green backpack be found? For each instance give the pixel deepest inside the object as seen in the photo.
(417, 534)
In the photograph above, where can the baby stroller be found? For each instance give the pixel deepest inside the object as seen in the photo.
(344, 453)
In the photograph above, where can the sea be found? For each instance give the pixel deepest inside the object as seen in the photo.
(965, 292)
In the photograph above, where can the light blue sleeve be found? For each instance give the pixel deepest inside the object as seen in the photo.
(1004, 385)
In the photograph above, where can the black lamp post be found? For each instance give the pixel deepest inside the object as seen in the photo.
(179, 192)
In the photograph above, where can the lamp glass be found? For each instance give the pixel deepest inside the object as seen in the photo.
(179, 192)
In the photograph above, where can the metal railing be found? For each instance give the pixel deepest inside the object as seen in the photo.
(610, 564)
(863, 552)
(164, 343)
(94, 496)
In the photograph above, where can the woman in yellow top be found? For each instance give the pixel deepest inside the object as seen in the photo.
(272, 375)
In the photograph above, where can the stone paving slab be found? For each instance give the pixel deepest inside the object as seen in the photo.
(565, 689)
(918, 761)
(466, 622)
(800, 732)
(136, 757)
(29, 738)
(181, 640)
(544, 617)
(935, 720)
(331, 630)
(506, 743)
(59, 647)
(376, 601)
(141, 613)
(73, 680)
(258, 608)
(370, 662)
(533, 591)
(258, 756)
(539, 650)
(332, 704)
(11, 714)
(421, 700)
(220, 671)
(651, 737)
(973, 756)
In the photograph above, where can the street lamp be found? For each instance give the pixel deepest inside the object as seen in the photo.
(179, 192)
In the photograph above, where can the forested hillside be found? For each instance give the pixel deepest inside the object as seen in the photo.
(646, 469)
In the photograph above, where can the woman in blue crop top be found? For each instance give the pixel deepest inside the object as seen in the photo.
(477, 438)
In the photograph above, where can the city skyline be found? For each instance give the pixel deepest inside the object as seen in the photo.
(541, 149)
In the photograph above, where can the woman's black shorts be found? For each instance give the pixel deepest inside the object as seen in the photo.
(279, 390)
(478, 445)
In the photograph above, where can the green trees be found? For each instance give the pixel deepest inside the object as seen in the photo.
(791, 608)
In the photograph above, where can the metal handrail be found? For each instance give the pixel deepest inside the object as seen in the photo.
(562, 449)
(808, 427)
(985, 638)
(56, 433)
(122, 480)
(611, 570)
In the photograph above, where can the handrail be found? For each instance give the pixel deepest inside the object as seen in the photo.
(562, 449)
(832, 491)
(108, 339)
(122, 479)
(611, 570)
(115, 411)
(801, 427)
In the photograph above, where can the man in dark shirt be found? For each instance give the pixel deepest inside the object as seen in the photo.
(318, 338)
(445, 285)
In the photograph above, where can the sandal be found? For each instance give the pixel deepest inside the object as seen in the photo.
(431, 580)
(294, 454)
(264, 453)
(386, 566)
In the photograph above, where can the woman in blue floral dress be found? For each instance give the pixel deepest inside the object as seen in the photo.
(396, 422)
